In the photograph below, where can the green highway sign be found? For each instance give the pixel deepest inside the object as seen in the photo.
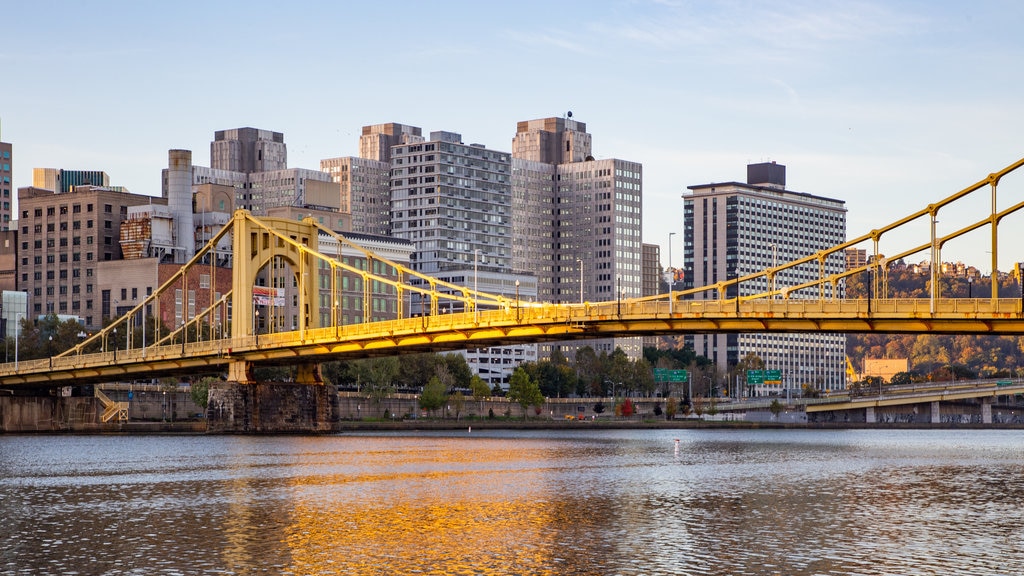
(667, 375)
(755, 376)
(773, 377)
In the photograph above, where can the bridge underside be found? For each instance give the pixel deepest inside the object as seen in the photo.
(510, 326)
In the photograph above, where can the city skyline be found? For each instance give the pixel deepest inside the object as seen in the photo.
(888, 106)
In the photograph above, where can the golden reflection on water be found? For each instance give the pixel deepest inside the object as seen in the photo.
(424, 519)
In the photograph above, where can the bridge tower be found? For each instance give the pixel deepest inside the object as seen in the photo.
(256, 247)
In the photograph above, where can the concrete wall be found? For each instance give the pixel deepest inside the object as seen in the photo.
(46, 413)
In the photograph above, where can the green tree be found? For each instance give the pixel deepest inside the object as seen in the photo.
(523, 390)
(671, 406)
(775, 408)
(201, 391)
(589, 370)
(479, 389)
(459, 370)
(458, 402)
(434, 395)
(376, 377)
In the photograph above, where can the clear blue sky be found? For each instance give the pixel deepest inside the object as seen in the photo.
(886, 105)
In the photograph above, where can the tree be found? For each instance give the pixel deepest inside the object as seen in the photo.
(458, 401)
(775, 408)
(459, 370)
(201, 391)
(434, 395)
(523, 390)
(627, 407)
(671, 406)
(479, 389)
(588, 368)
(377, 377)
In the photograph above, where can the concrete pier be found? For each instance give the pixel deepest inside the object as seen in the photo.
(271, 408)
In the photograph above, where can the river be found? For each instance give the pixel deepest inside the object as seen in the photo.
(629, 502)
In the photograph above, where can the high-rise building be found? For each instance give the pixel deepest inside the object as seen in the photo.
(376, 141)
(577, 220)
(6, 186)
(855, 258)
(63, 238)
(365, 192)
(248, 150)
(62, 181)
(732, 229)
(453, 201)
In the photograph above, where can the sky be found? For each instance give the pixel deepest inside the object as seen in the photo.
(887, 105)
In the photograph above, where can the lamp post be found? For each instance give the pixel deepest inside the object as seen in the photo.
(618, 282)
(115, 344)
(934, 267)
(580, 262)
(476, 295)
(775, 263)
(518, 312)
(970, 283)
(672, 275)
(17, 329)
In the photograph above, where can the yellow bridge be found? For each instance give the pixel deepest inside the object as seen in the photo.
(488, 320)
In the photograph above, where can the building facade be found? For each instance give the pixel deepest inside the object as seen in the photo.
(63, 238)
(248, 150)
(578, 221)
(6, 184)
(365, 187)
(732, 229)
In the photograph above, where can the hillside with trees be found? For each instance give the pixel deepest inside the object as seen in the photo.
(934, 355)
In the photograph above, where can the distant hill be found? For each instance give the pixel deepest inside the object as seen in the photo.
(929, 353)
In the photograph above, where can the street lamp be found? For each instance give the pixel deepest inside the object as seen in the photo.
(49, 350)
(115, 344)
(17, 327)
(618, 281)
(672, 276)
(580, 262)
(518, 312)
(934, 267)
(476, 295)
(775, 264)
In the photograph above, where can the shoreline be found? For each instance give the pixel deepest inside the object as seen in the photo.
(198, 427)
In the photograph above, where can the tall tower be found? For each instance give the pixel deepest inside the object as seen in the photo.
(179, 200)
(578, 221)
(376, 140)
(732, 229)
(248, 150)
(6, 197)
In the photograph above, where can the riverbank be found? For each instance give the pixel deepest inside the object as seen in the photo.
(425, 425)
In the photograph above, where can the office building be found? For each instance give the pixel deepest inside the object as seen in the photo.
(365, 187)
(376, 141)
(734, 229)
(6, 184)
(62, 181)
(578, 221)
(855, 257)
(248, 150)
(63, 238)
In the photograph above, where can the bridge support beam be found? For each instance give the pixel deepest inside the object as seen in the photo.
(869, 415)
(986, 410)
(936, 413)
(271, 408)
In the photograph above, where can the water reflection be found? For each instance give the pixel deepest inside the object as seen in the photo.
(580, 502)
